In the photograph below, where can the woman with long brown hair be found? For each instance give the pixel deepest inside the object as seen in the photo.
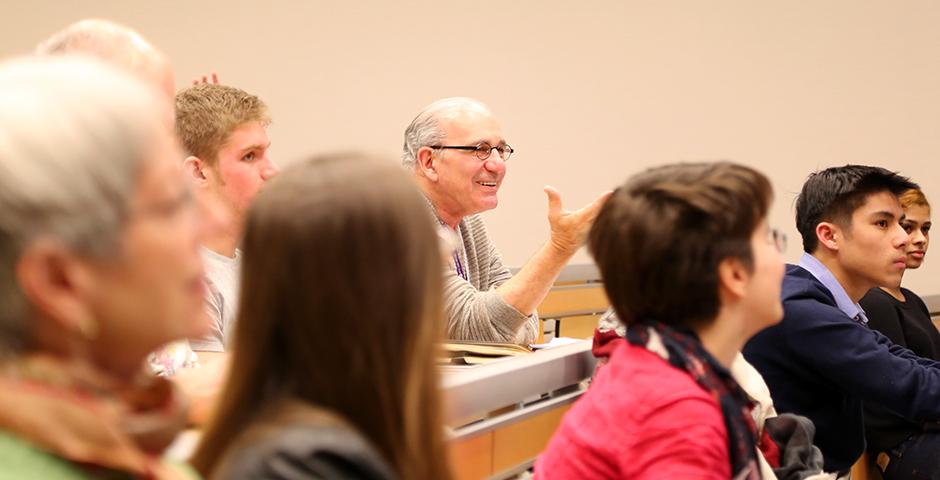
(333, 369)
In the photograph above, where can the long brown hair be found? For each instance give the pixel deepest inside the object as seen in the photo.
(340, 308)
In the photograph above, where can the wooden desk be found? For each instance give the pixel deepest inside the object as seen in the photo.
(503, 413)
(573, 309)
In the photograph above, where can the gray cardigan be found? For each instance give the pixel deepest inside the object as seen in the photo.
(475, 311)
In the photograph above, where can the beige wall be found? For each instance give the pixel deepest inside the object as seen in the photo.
(588, 92)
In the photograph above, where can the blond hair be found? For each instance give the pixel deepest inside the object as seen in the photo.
(206, 115)
(913, 197)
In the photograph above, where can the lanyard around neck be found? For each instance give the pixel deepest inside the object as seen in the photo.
(460, 270)
(457, 263)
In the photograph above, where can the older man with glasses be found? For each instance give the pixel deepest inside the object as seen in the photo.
(458, 153)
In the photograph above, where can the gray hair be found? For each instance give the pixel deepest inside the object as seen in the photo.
(74, 134)
(100, 38)
(113, 43)
(426, 128)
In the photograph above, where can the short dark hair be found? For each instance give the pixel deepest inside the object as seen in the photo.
(833, 195)
(660, 237)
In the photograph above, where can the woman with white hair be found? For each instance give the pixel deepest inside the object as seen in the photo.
(99, 265)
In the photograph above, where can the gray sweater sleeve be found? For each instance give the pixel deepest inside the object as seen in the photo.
(475, 311)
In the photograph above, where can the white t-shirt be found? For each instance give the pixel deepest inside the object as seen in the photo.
(222, 277)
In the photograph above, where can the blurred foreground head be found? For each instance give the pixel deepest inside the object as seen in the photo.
(124, 48)
(661, 238)
(98, 240)
(117, 45)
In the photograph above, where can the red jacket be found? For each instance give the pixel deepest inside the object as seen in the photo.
(641, 418)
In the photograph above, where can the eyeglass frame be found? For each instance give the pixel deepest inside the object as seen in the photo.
(778, 239)
(479, 151)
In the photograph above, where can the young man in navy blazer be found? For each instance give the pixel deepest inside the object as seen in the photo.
(822, 361)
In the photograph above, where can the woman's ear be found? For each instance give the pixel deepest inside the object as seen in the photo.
(55, 282)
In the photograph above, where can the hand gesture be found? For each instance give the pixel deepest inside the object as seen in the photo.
(205, 79)
(569, 229)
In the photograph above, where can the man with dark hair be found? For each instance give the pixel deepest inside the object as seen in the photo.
(822, 360)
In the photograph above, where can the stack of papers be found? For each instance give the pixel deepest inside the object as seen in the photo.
(475, 353)
(555, 342)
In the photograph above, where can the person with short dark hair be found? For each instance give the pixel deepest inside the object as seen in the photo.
(823, 361)
(692, 270)
(903, 317)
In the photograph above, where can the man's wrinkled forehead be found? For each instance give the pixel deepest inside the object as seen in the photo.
(472, 126)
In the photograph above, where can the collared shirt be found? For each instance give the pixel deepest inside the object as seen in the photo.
(843, 302)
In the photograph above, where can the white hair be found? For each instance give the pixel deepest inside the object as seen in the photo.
(74, 134)
(115, 44)
(426, 128)
(103, 39)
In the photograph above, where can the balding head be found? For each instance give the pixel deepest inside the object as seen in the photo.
(427, 129)
(116, 44)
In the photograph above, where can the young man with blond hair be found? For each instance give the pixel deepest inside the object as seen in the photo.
(223, 130)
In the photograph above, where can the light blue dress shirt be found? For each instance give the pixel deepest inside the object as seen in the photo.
(843, 302)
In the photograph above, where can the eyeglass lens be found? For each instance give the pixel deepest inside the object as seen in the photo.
(484, 150)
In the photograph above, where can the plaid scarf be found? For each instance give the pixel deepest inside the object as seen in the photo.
(102, 426)
(683, 350)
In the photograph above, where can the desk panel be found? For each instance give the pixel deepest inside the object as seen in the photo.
(523, 441)
(504, 413)
(472, 458)
(476, 391)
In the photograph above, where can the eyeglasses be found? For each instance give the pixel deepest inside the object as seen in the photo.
(482, 150)
(778, 239)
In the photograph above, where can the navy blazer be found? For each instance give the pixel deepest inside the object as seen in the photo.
(821, 364)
